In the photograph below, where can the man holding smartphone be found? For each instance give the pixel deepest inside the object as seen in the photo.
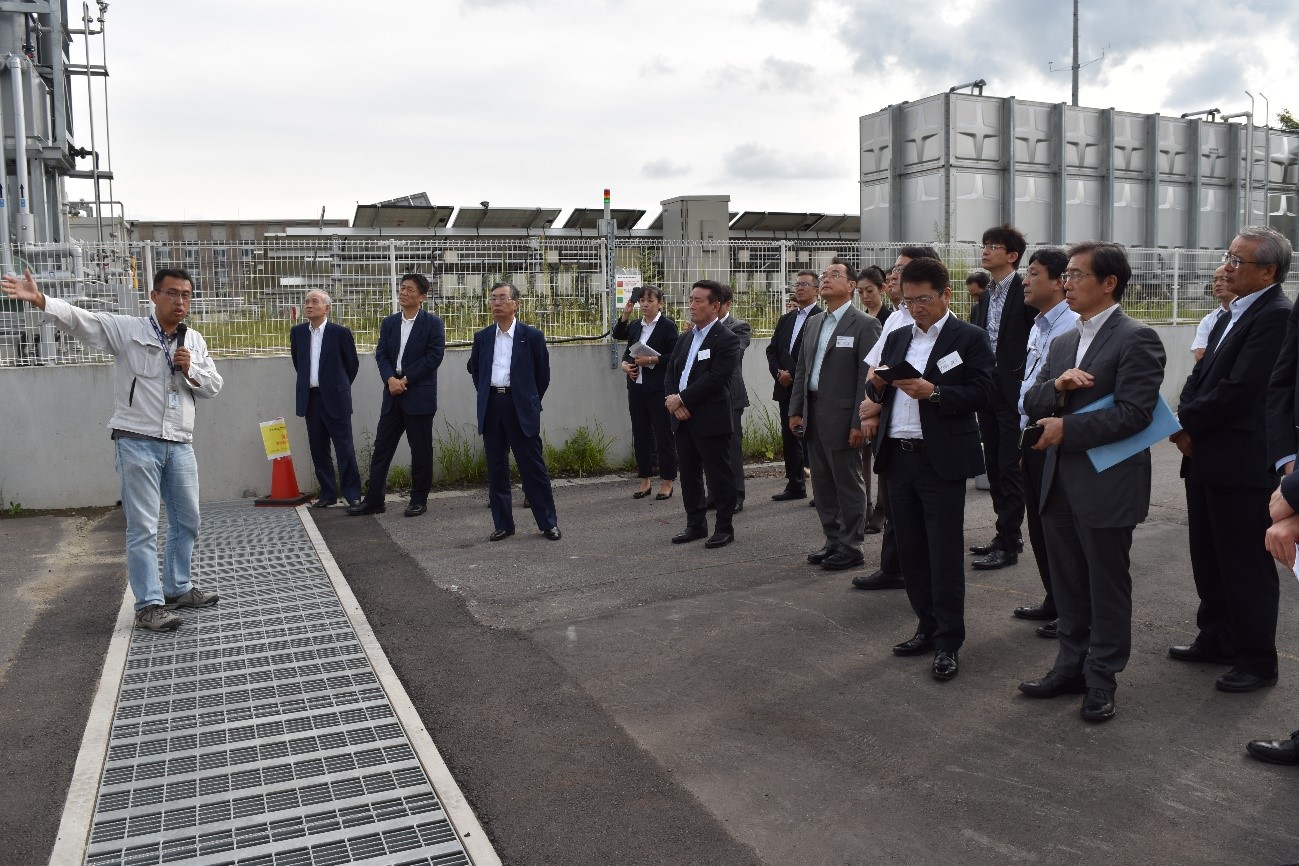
(1044, 292)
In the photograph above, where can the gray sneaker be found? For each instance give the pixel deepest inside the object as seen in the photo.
(194, 598)
(155, 617)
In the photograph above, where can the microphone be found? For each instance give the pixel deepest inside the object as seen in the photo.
(180, 334)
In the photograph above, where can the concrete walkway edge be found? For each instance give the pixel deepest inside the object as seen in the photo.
(454, 805)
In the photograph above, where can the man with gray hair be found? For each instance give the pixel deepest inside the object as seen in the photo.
(324, 356)
(1228, 476)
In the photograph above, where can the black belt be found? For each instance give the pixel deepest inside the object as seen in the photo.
(499, 389)
(909, 444)
(317, 388)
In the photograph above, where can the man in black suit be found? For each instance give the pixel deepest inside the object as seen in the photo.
(782, 356)
(324, 356)
(1002, 313)
(698, 398)
(927, 446)
(1088, 516)
(510, 366)
(409, 352)
(1228, 476)
(739, 398)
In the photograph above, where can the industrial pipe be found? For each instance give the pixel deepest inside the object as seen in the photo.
(26, 234)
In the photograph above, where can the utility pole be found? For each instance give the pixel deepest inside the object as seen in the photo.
(1075, 53)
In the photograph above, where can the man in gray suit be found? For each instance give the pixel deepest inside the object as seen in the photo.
(1088, 516)
(829, 385)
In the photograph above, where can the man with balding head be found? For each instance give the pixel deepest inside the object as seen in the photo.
(324, 355)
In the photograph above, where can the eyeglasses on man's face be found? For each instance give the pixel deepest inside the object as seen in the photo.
(1235, 261)
(173, 295)
(1076, 276)
(994, 246)
(920, 300)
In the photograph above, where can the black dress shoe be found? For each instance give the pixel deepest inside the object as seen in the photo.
(1098, 706)
(691, 534)
(1193, 652)
(879, 580)
(352, 503)
(1050, 631)
(323, 503)
(659, 497)
(820, 556)
(553, 534)
(739, 506)
(641, 494)
(1035, 611)
(500, 534)
(995, 544)
(1053, 685)
(364, 507)
(790, 493)
(811, 503)
(945, 665)
(996, 559)
(918, 645)
(1276, 751)
(1236, 680)
(415, 509)
(840, 561)
(719, 539)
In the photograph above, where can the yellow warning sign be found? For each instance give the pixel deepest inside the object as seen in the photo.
(275, 437)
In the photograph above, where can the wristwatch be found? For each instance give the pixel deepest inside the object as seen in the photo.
(935, 395)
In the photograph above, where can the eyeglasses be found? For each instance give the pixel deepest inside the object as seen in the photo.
(1236, 261)
(1075, 276)
(173, 295)
(994, 246)
(833, 276)
(919, 300)
(805, 284)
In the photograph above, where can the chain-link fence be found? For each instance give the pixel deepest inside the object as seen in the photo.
(249, 294)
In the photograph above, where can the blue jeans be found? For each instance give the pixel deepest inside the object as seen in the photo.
(155, 473)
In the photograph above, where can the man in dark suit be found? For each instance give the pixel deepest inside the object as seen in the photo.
(510, 366)
(928, 445)
(1088, 516)
(782, 355)
(698, 398)
(324, 356)
(410, 349)
(1002, 313)
(829, 385)
(739, 399)
(1229, 478)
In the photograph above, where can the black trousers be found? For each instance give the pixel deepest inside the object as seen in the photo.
(710, 456)
(796, 457)
(501, 436)
(999, 428)
(1235, 576)
(890, 562)
(322, 429)
(737, 452)
(930, 517)
(419, 436)
(1034, 463)
(651, 433)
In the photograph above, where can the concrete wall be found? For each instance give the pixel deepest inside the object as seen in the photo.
(56, 452)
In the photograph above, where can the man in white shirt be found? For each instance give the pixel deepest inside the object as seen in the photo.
(324, 356)
(1044, 292)
(160, 367)
(1223, 294)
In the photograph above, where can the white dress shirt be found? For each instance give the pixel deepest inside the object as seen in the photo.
(317, 338)
(1238, 308)
(695, 342)
(899, 318)
(407, 325)
(502, 355)
(799, 321)
(646, 329)
(1088, 330)
(904, 422)
(1205, 327)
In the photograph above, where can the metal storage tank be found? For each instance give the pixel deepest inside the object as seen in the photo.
(946, 167)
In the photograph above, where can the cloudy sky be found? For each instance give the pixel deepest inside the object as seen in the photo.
(275, 108)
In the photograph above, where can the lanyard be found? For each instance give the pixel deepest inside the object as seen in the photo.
(164, 342)
(1041, 344)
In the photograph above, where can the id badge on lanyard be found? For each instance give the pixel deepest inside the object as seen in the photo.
(173, 398)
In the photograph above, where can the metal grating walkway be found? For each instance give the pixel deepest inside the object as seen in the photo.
(259, 734)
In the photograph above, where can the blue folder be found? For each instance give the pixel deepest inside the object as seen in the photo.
(1163, 425)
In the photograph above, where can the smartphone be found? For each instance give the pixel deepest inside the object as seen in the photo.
(1029, 435)
(636, 294)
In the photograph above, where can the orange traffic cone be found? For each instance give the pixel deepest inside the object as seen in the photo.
(284, 486)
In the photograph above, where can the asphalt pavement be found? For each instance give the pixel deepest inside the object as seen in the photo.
(614, 699)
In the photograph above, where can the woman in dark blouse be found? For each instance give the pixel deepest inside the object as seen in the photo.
(651, 432)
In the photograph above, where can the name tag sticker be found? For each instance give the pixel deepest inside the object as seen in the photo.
(947, 363)
(173, 400)
(704, 354)
(843, 342)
